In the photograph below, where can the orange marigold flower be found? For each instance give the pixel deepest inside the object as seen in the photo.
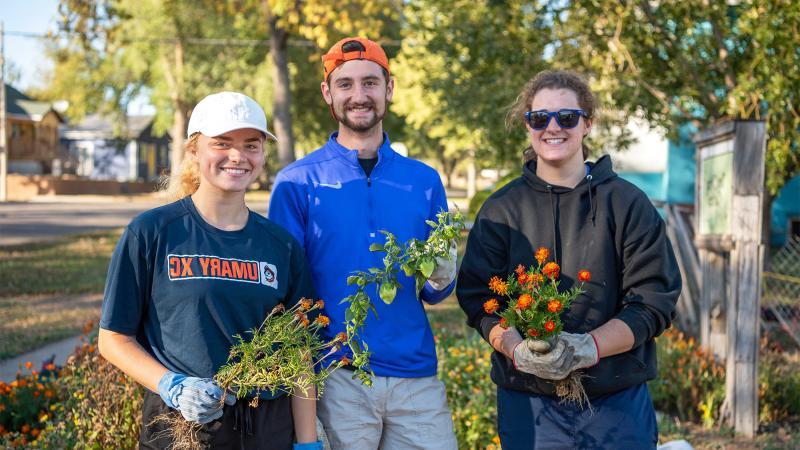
(524, 301)
(50, 366)
(491, 306)
(536, 279)
(551, 270)
(554, 306)
(541, 255)
(346, 360)
(48, 393)
(523, 278)
(36, 393)
(503, 323)
(549, 325)
(28, 364)
(520, 269)
(323, 321)
(35, 432)
(320, 303)
(498, 286)
(341, 337)
(533, 333)
(25, 428)
(584, 276)
(305, 304)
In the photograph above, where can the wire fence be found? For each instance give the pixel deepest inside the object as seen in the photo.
(781, 295)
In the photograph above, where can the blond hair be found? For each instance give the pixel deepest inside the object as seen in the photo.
(184, 180)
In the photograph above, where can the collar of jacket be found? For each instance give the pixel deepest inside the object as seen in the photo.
(350, 156)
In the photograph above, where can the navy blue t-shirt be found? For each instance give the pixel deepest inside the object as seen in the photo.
(184, 288)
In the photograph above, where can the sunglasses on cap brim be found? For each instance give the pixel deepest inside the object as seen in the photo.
(566, 118)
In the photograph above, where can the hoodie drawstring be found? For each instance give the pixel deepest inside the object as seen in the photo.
(592, 205)
(553, 215)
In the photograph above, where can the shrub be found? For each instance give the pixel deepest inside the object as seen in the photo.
(779, 387)
(690, 383)
(477, 200)
(25, 404)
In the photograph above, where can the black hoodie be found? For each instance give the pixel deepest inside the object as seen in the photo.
(605, 225)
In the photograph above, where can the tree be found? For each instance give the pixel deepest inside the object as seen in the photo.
(695, 62)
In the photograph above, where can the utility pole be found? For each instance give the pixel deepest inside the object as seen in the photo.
(3, 145)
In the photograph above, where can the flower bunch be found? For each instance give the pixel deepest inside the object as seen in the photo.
(282, 353)
(416, 259)
(534, 301)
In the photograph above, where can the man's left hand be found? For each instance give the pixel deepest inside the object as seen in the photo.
(445, 271)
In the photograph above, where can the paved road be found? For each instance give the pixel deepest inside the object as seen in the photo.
(36, 221)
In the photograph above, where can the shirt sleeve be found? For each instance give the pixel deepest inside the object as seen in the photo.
(300, 278)
(651, 281)
(288, 207)
(127, 286)
(438, 204)
(486, 256)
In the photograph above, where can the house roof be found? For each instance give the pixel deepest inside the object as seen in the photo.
(20, 105)
(96, 126)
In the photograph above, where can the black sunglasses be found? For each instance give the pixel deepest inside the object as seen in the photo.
(566, 118)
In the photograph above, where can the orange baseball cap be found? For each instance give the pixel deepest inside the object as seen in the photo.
(336, 56)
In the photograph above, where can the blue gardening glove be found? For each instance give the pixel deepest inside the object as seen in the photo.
(198, 399)
(308, 446)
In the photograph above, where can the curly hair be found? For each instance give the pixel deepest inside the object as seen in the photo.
(551, 79)
(185, 179)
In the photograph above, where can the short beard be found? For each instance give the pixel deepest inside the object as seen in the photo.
(362, 127)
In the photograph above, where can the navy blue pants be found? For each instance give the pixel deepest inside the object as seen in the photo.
(622, 420)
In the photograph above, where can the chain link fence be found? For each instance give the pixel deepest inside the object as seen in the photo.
(781, 295)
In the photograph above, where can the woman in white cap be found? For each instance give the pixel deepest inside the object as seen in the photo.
(188, 276)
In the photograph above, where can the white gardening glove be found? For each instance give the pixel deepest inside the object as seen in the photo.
(535, 357)
(586, 353)
(445, 271)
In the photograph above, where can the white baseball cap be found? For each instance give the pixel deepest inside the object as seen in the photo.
(226, 111)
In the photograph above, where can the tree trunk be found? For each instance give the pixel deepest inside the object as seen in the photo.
(180, 111)
(281, 113)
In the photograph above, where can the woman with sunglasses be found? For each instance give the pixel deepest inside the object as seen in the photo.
(187, 277)
(591, 219)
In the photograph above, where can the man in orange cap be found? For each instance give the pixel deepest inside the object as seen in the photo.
(335, 201)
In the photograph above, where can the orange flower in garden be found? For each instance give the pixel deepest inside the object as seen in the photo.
(523, 278)
(584, 276)
(537, 279)
(554, 306)
(346, 360)
(305, 304)
(36, 393)
(533, 333)
(2, 430)
(551, 270)
(25, 428)
(541, 255)
(35, 432)
(549, 325)
(524, 301)
(503, 322)
(341, 337)
(520, 269)
(48, 393)
(320, 304)
(498, 286)
(50, 366)
(28, 364)
(491, 306)
(323, 321)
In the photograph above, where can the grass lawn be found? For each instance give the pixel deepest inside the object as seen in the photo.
(50, 290)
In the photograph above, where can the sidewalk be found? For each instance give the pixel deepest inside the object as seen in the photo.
(61, 349)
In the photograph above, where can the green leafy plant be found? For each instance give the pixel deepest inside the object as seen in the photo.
(416, 259)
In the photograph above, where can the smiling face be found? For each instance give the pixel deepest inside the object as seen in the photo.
(358, 92)
(554, 145)
(230, 162)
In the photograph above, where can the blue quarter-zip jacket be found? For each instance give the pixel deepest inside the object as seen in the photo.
(335, 211)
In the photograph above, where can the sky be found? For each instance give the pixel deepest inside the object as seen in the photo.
(25, 53)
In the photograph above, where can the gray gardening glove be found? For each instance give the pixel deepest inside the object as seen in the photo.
(445, 271)
(536, 357)
(586, 353)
